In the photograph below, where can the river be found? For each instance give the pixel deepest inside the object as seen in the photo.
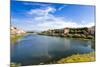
(35, 49)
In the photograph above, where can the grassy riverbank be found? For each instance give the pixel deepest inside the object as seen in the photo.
(15, 65)
(89, 57)
(78, 58)
(14, 38)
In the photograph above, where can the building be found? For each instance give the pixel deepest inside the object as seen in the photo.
(58, 31)
(66, 30)
(14, 30)
(91, 30)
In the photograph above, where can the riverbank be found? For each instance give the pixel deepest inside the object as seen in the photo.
(15, 65)
(90, 57)
(58, 45)
(15, 37)
(77, 36)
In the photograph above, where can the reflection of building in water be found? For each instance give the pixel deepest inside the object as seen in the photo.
(45, 49)
(89, 44)
(66, 44)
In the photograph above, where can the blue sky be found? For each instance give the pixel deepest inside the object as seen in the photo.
(36, 16)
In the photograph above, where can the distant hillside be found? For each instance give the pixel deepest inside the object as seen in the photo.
(84, 32)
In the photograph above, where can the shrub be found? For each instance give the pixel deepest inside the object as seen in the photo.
(69, 35)
(78, 58)
(83, 36)
(76, 36)
(89, 37)
(14, 65)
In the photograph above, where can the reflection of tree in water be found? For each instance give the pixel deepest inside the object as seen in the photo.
(91, 44)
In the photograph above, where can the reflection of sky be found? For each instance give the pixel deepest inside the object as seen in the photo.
(37, 48)
(42, 16)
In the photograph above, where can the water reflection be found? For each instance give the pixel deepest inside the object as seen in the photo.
(34, 49)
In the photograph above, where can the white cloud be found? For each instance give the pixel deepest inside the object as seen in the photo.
(58, 24)
(62, 7)
(42, 11)
(43, 19)
(36, 4)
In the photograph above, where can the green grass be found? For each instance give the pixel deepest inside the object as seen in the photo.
(15, 65)
(14, 38)
(78, 58)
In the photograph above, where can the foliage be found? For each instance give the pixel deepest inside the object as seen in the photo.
(14, 38)
(83, 36)
(76, 36)
(71, 31)
(15, 65)
(90, 37)
(78, 58)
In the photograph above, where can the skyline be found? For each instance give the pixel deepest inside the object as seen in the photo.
(36, 16)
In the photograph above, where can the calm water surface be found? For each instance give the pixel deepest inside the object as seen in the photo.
(36, 49)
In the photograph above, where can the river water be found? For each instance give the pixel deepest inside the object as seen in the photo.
(37, 49)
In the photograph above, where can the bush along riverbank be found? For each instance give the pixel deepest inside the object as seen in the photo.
(15, 37)
(15, 65)
(79, 36)
(85, 32)
(75, 58)
(90, 57)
